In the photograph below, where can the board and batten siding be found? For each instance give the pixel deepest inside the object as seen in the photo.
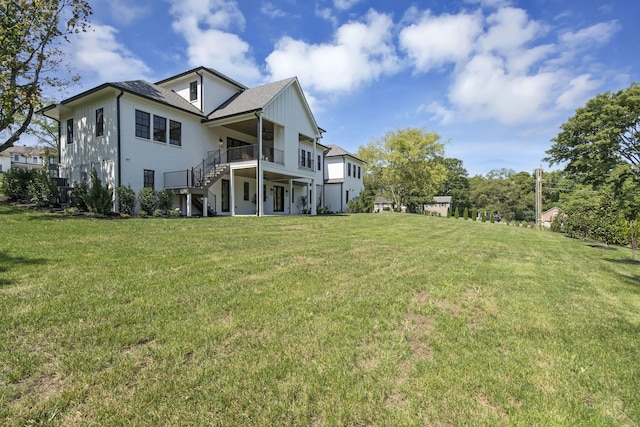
(139, 154)
(89, 151)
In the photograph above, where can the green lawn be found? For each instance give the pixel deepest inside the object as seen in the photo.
(382, 320)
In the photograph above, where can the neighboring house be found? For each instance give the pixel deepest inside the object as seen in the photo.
(382, 204)
(549, 215)
(220, 146)
(439, 206)
(343, 178)
(24, 157)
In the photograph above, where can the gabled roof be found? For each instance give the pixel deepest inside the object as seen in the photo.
(250, 100)
(140, 88)
(24, 151)
(442, 199)
(157, 93)
(383, 200)
(215, 73)
(335, 151)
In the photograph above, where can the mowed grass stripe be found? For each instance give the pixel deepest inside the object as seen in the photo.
(341, 320)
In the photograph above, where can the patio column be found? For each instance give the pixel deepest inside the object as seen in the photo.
(205, 206)
(313, 197)
(259, 172)
(232, 205)
(189, 204)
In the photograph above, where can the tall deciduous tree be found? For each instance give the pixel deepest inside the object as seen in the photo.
(602, 135)
(31, 32)
(406, 165)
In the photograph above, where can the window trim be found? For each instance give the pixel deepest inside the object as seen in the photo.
(193, 91)
(146, 182)
(159, 133)
(70, 131)
(140, 126)
(99, 122)
(175, 139)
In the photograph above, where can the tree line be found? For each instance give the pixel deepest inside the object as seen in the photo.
(597, 191)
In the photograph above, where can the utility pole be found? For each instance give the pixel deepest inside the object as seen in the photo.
(539, 198)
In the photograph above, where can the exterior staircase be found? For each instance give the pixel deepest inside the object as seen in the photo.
(214, 174)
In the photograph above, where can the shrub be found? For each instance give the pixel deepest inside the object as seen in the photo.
(456, 213)
(126, 199)
(157, 213)
(41, 190)
(174, 213)
(148, 199)
(77, 196)
(99, 198)
(474, 214)
(465, 214)
(142, 213)
(16, 183)
(165, 200)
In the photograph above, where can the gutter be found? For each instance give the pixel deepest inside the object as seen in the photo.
(119, 138)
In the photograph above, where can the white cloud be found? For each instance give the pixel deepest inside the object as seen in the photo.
(577, 93)
(360, 53)
(272, 11)
(509, 30)
(126, 12)
(345, 4)
(436, 40)
(204, 24)
(595, 35)
(485, 89)
(98, 52)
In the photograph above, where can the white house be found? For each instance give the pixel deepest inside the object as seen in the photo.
(24, 157)
(219, 146)
(343, 178)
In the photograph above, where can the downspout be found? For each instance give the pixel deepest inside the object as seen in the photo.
(119, 138)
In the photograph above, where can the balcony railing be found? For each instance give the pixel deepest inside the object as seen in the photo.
(195, 177)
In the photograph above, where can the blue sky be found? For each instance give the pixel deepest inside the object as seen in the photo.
(495, 78)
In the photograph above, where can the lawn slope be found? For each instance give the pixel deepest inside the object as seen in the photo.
(343, 320)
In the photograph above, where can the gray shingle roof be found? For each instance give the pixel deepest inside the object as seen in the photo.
(442, 199)
(250, 100)
(23, 151)
(156, 93)
(335, 151)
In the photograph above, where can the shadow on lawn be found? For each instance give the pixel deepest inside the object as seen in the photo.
(7, 261)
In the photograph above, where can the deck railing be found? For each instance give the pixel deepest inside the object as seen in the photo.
(195, 176)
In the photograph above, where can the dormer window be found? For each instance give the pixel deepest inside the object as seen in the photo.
(193, 91)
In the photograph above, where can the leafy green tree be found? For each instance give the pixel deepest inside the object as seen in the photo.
(456, 183)
(405, 165)
(31, 32)
(602, 135)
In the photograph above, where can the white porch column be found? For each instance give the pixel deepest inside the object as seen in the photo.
(205, 206)
(259, 171)
(290, 196)
(188, 204)
(313, 197)
(232, 185)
